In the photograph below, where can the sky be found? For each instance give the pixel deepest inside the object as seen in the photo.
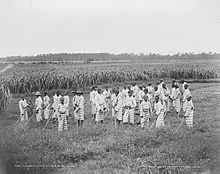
(31, 27)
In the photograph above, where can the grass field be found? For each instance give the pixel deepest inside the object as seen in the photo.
(104, 149)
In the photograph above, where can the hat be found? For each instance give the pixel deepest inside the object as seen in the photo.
(37, 93)
(79, 92)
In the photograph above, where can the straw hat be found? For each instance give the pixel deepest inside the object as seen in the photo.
(37, 93)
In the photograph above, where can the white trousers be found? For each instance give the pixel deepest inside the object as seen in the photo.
(46, 113)
(39, 115)
(160, 120)
(24, 116)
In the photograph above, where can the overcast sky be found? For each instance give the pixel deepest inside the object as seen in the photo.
(30, 27)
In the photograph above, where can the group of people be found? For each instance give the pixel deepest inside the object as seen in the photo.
(124, 104)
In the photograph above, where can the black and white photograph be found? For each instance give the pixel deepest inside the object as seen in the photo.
(109, 86)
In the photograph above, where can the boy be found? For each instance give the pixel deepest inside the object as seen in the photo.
(185, 94)
(176, 98)
(145, 111)
(129, 105)
(23, 109)
(189, 111)
(165, 97)
(100, 106)
(80, 108)
(118, 106)
(38, 106)
(46, 106)
(56, 102)
(92, 98)
(159, 108)
(62, 114)
(67, 102)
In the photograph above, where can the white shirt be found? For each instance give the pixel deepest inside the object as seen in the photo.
(145, 106)
(184, 83)
(158, 107)
(106, 93)
(22, 105)
(66, 100)
(46, 101)
(38, 103)
(185, 94)
(140, 95)
(93, 96)
(150, 89)
(100, 100)
(62, 108)
(130, 101)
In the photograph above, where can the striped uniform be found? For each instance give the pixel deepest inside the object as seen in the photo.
(160, 113)
(38, 106)
(46, 101)
(92, 101)
(189, 113)
(165, 98)
(177, 99)
(113, 102)
(62, 121)
(118, 107)
(56, 102)
(124, 94)
(100, 106)
(129, 104)
(185, 94)
(107, 94)
(135, 94)
(145, 109)
(23, 109)
(140, 98)
(79, 113)
(67, 102)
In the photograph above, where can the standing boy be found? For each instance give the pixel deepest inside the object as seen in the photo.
(23, 109)
(145, 111)
(62, 114)
(38, 106)
(129, 105)
(46, 105)
(159, 108)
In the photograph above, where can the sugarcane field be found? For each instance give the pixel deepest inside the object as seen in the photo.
(128, 117)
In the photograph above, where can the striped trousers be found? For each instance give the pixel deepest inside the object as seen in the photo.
(46, 113)
(99, 114)
(160, 120)
(189, 119)
(39, 115)
(62, 122)
(118, 114)
(128, 113)
(184, 106)
(79, 115)
(145, 120)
